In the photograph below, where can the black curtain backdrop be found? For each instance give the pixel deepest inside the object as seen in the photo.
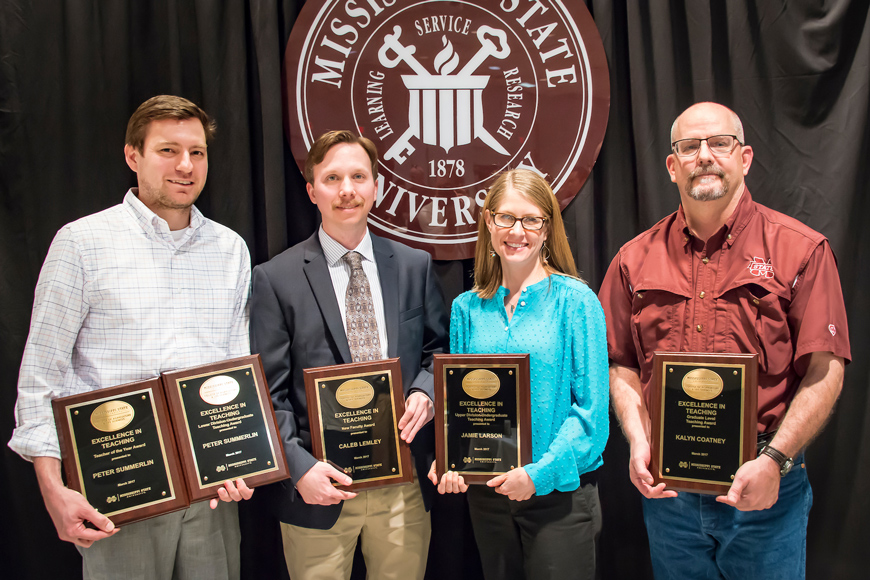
(72, 72)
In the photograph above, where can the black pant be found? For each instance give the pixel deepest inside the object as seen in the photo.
(553, 536)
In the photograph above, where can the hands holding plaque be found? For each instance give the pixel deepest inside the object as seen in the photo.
(482, 423)
(229, 431)
(134, 456)
(119, 451)
(354, 411)
(703, 414)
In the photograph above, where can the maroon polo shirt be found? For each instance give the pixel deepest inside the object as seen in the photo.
(764, 283)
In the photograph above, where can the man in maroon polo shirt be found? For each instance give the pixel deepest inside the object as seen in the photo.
(725, 274)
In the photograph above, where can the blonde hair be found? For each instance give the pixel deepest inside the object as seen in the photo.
(487, 268)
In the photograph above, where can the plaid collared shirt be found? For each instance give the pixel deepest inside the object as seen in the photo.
(119, 300)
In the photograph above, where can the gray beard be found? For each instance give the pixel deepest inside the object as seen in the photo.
(706, 192)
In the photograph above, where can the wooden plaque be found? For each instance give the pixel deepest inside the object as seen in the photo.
(119, 451)
(354, 410)
(703, 409)
(225, 425)
(482, 414)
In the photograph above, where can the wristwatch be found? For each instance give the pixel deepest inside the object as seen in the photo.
(785, 463)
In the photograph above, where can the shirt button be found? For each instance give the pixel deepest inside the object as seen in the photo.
(699, 328)
(705, 260)
(702, 294)
(755, 301)
(505, 327)
(523, 303)
(640, 294)
(729, 236)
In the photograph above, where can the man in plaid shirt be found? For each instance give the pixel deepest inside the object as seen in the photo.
(146, 286)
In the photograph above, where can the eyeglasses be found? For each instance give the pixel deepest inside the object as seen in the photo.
(721, 144)
(506, 220)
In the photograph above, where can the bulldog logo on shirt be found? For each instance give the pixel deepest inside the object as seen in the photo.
(758, 267)
(832, 329)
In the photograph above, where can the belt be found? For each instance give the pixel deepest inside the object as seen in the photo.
(764, 439)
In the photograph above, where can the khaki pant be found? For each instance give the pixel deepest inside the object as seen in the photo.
(394, 528)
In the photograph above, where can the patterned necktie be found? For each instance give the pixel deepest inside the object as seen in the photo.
(362, 326)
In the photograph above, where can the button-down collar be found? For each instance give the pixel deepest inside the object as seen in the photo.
(334, 251)
(732, 228)
(154, 226)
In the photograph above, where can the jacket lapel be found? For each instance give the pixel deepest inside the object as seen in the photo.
(388, 273)
(317, 272)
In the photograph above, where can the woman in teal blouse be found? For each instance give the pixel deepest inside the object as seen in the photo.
(541, 520)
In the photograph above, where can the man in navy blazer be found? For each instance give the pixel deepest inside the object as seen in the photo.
(298, 322)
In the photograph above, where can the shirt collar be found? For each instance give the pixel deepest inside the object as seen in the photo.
(333, 251)
(732, 227)
(153, 223)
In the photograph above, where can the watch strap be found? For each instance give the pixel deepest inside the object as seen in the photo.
(785, 462)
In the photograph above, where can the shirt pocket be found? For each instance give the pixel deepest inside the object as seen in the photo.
(756, 322)
(656, 316)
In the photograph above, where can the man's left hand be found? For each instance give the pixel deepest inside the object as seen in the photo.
(419, 410)
(755, 487)
(232, 491)
(515, 484)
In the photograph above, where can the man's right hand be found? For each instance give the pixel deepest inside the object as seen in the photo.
(451, 482)
(316, 487)
(638, 471)
(626, 395)
(69, 510)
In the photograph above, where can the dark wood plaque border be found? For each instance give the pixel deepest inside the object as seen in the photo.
(444, 362)
(172, 382)
(352, 370)
(179, 499)
(750, 413)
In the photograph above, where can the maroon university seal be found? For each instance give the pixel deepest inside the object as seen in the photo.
(452, 93)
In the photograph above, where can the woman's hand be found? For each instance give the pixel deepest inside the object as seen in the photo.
(451, 482)
(516, 484)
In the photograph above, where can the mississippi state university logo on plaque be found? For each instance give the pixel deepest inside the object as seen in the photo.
(452, 93)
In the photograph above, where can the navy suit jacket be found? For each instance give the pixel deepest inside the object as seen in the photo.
(296, 324)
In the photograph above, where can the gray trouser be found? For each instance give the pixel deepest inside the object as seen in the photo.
(193, 544)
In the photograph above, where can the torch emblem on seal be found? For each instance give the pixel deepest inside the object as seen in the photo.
(445, 109)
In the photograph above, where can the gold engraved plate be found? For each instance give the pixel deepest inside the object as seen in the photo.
(481, 384)
(219, 390)
(702, 384)
(354, 394)
(112, 416)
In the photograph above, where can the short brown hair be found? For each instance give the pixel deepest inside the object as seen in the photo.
(487, 268)
(329, 140)
(165, 107)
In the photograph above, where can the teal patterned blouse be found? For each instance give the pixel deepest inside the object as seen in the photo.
(560, 323)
